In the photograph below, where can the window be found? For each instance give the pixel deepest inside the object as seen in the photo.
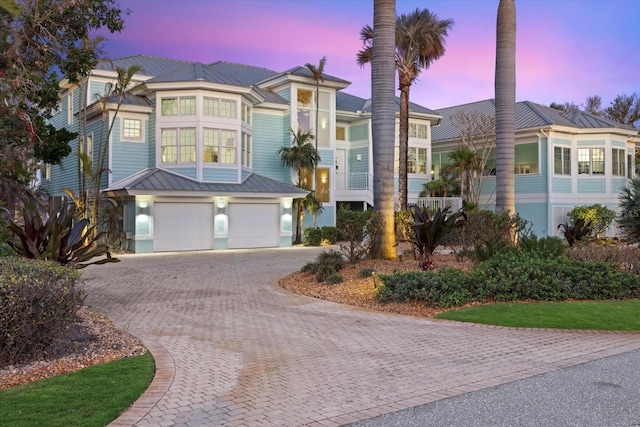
(184, 106)
(323, 184)
(617, 162)
(561, 161)
(132, 129)
(417, 160)
(419, 131)
(219, 146)
(305, 104)
(246, 150)
(246, 114)
(217, 107)
(86, 151)
(70, 108)
(526, 158)
(341, 133)
(47, 171)
(590, 161)
(178, 145)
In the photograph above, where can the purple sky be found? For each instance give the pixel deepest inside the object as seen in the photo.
(567, 50)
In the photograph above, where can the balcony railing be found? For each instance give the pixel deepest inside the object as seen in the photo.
(433, 203)
(353, 181)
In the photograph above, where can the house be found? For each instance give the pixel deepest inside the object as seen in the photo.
(562, 160)
(192, 158)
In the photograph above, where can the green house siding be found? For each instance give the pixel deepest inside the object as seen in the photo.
(220, 175)
(359, 132)
(537, 215)
(270, 133)
(128, 157)
(356, 165)
(561, 185)
(591, 185)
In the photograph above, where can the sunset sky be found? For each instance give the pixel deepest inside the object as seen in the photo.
(567, 50)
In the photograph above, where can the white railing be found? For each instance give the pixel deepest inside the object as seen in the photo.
(353, 181)
(433, 203)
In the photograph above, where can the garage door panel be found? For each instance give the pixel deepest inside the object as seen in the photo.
(254, 225)
(182, 226)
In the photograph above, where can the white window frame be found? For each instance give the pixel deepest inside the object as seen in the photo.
(141, 138)
(591, 161)
(618, 162)
(70, 108)
(246, 148)
(565, 161)
(224, 108)
(245, 114)
(179, 147)
(180, 107)
(222, 149)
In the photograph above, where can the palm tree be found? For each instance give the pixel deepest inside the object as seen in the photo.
(302, 156)
(419, 40)
(318, 76)
(383, 122)
(505, 88)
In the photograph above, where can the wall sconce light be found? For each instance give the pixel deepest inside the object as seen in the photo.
(432, 175)
(323, 124)
(323, 178)
(143, 210)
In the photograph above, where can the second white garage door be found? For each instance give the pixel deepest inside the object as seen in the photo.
(182, 226)
(254, 225)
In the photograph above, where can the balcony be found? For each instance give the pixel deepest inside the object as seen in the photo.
(354, 187)
(433, 203)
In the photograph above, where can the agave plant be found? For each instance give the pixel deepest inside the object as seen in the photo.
(576, 231)
(431, 231)
(57, 238)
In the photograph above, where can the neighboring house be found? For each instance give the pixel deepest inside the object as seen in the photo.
(193, 160)
(562, 160)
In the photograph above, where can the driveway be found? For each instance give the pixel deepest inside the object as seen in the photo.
(232, 349)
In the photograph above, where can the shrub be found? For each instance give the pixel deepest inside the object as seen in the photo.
(334, 279)
(38, 299)
(432, 230)
(599, 217)
(444, 288)
(312, 236)
(629, 218)
(550, 245)
(575, 231)
(327, 263)
(366, 272)
(329, 234)
(621, 257)
(359, 229)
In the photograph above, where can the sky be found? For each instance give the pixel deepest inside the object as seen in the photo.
(566, 50)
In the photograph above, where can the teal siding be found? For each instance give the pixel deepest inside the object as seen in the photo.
(590, 143)
(354, 164)
(537, 214)
(128, 157)
(416, 185)
(96, 88)
(188, 172)
(561, 185)
(359, 132)
(151, 137)
(220, 175)
(618, 184)
(558, 141)
(618, 144)
(270, 133)
(591, 185)
(245, 173)
(489, 186)
(533, 183)
(285, 93)
(325, 218)
(327, 157)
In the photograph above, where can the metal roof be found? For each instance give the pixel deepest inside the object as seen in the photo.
(151, 65)
(300, 71)
(161, 180)
(528, 115)
(346, 102)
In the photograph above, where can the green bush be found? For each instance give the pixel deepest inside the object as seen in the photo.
(629, 219)
(38, 299)
(599, 217)
(365, 272)
(334, 279)
(312, 236)
(513, 276)
(329, 234)
(359, 229)
(326, 264)
(622, 257)
(550, 245)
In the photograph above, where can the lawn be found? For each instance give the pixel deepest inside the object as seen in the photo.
(587, 315)
(93, 396)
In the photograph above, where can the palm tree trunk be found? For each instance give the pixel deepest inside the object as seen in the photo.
(404, 145)
(505, 91)
(383, 123)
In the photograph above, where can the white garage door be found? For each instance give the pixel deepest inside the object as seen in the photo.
(254, 225)
(182, 226)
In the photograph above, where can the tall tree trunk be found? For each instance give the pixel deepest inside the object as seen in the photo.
(404, 144)
(505, 91)
(383, 123)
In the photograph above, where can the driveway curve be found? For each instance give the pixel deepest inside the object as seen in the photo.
(232, 349)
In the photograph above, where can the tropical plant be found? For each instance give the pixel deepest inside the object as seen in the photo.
(302, 156)
(600, 217)
(318, 76)
(57, 238)
(313, 205)
(629, 216)
(383, 124)
(505, 100)
(432, 230)
(575, 231)
(419, 40)
(359, 230)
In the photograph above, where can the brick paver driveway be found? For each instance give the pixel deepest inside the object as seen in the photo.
(233, 349)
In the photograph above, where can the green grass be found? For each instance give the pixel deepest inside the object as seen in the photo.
(592, 315)
(93, 396)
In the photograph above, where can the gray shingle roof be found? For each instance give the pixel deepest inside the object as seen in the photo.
(161, 180)
(528, 115)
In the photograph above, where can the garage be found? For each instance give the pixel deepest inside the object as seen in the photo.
(254, 225)
(182, 226)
